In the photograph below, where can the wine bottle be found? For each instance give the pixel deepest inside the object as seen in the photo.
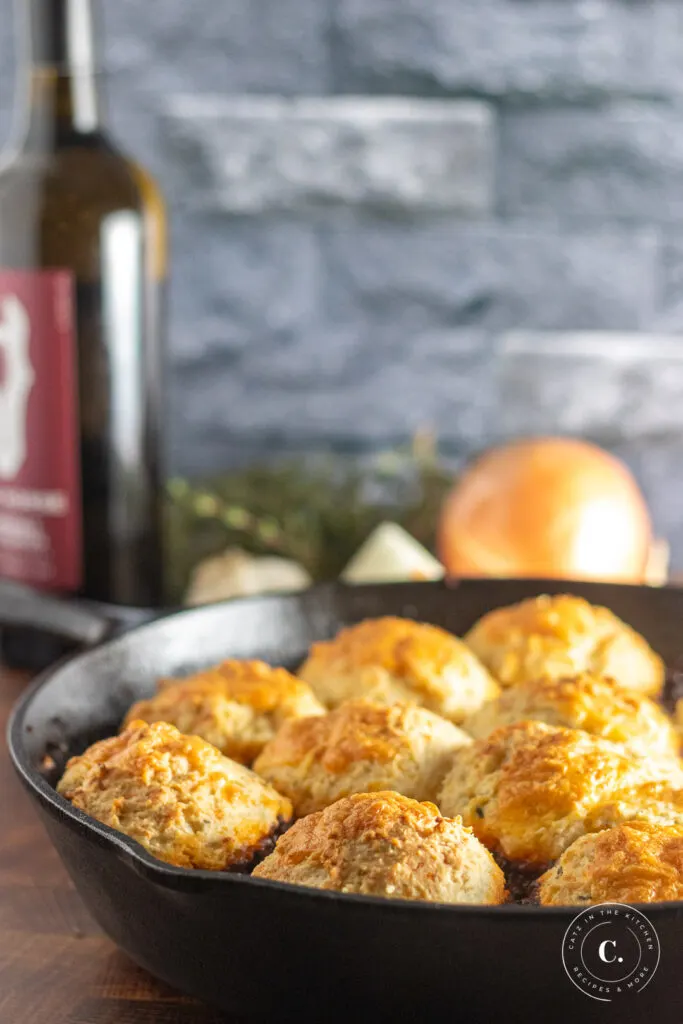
(82, 269)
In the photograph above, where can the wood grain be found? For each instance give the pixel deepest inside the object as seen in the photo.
(56, 967)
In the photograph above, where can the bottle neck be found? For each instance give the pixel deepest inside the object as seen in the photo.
(60, 79)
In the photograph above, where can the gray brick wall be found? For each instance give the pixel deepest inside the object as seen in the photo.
(390, 214)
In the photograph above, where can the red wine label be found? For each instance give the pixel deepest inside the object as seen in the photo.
(40, 501)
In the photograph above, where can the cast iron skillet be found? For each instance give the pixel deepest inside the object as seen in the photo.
(256, 948)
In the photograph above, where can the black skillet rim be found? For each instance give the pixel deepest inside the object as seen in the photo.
(195, 879)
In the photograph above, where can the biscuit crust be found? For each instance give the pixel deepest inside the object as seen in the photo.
(177, 796)
(564, 636)
(384, 844)
(591, 703)
(237, 706)
(361, 747)
(636, 862)
(392, 660)
(530, 790)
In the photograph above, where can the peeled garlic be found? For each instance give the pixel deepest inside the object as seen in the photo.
(391, 555)
(236, 573)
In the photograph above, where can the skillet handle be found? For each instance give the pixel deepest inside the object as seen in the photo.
(70, 620)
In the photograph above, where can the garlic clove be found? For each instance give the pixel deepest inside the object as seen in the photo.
(237, 573)
(391, 555)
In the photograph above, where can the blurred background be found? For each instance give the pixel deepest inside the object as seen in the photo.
(458, 218)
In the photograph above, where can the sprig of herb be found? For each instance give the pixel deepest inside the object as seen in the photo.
(316, 510)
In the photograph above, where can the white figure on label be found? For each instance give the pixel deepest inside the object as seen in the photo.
(17, 380)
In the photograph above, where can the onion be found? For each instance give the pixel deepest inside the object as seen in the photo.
(551, 508)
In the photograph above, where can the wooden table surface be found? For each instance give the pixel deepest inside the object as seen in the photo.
(56, 967)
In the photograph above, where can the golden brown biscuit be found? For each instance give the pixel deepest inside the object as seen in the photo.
(178, 796)
(395, 661)
(634, 863)
(530, 790)
(384, 844)
(237, 706)
(360, 747)
(657, 802)
(587, 702)
(564, 636)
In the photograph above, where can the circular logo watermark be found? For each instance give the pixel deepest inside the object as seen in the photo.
(610, 951)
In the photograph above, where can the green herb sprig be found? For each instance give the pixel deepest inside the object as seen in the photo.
(317, 510)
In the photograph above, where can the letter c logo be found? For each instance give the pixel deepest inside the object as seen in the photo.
(602, 951)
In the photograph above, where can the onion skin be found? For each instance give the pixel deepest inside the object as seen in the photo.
(552, 508)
